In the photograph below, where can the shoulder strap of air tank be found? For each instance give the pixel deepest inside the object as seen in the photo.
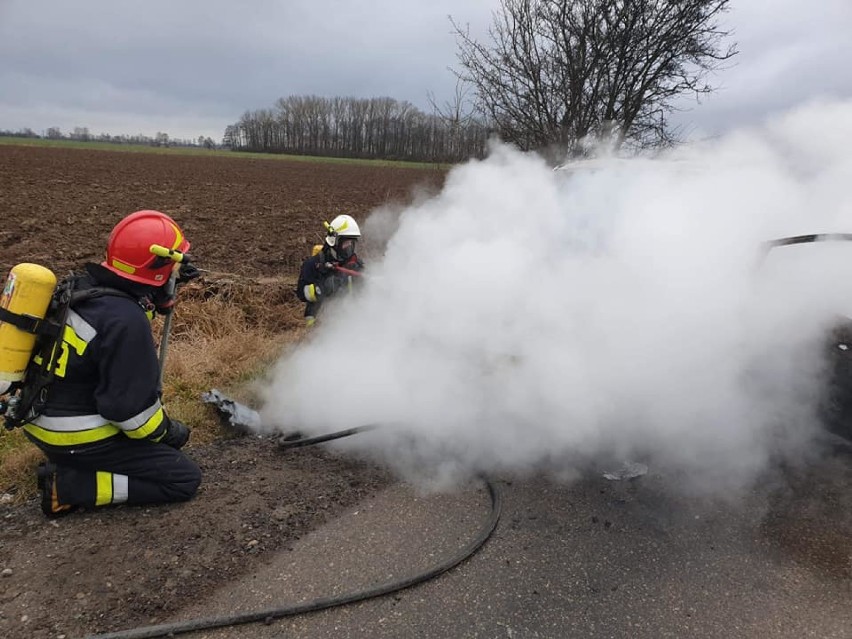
(82, 295)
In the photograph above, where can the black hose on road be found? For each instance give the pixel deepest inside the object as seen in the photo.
(270, 614)
(318, 439)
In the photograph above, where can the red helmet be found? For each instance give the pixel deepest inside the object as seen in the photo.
(129, 253)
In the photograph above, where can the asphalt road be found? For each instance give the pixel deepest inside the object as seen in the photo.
(589, 559)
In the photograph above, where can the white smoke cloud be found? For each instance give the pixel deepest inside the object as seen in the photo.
(526, 318)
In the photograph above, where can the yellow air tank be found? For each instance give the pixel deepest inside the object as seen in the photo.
(27, 291)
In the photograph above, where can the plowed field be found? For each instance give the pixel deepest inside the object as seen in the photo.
(248, 216)
(118, 568)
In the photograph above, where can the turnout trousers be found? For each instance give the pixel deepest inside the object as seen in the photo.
(123, 471)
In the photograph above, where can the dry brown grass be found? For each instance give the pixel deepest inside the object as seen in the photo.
(227, 330)
(18, 458)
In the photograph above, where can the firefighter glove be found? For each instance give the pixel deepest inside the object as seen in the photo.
(177, 434)
(162, 301)
(187, 272)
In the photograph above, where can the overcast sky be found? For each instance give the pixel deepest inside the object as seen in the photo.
(191, 67)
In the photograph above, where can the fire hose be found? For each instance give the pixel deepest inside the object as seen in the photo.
(288, 610)
(348, 271)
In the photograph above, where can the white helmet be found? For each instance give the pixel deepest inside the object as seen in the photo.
(343, 226)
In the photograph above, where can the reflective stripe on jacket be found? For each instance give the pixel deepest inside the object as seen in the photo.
(77, 430)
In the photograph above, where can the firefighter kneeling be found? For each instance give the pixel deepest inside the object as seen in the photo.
(103, 429)
(331, 268)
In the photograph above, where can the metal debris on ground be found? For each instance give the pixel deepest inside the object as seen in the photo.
(628, 470)
(234, 415)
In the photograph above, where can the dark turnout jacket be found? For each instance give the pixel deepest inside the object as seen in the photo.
(107, 375)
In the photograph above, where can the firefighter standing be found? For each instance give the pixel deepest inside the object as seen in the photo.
(324, 274)
(103, 429)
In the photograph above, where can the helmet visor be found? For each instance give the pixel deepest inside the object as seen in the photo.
(345, 247)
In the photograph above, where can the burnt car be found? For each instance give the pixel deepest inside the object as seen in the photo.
(836, 403)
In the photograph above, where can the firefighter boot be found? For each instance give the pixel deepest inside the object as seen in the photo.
(50, 505)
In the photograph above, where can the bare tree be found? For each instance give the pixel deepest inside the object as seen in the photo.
(458, 116)
(558, 72)
(80, 133)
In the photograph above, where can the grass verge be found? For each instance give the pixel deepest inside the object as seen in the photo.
(167, 150)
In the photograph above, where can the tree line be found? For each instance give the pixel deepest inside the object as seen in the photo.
(82, 134)
(358, 128)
